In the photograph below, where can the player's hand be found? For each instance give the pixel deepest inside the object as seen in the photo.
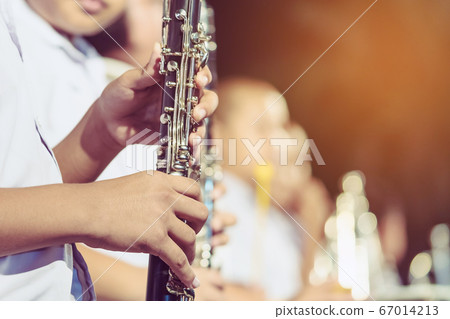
(212, 288)
(219, 223)
(132, 103)
(142, 213)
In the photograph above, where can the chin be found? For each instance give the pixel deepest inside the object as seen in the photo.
(89, 31)
(87, 26)
(80, 30)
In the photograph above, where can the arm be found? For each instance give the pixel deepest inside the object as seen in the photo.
(236, 292)
(139, 213)
(126, 107)
(329, 291)
(117, 280)
(42, 223)
(108, 124)
(114, 279)
(314, 206)
(88, 149)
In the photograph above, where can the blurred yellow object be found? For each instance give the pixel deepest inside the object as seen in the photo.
(338, 289)
(263, 175)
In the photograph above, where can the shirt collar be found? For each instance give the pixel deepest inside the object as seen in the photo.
(78, 49)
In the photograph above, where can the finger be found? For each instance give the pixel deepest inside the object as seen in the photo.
(195, 141)
(184, 236)
(155, 56)
(149, 75)
(206, 107)
(222, 220)
(199, 134)
(215, 278)
(219, 190)
(220, 239)
(210, 293)
(194, 212)
(203, 78)
(185, 186)
(175, 258)
(138, 79)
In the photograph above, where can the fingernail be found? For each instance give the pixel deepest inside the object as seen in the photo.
(201, 113)
(217, 193)
(216, 225)
(204, 80)
(214, 242)
(196, 283)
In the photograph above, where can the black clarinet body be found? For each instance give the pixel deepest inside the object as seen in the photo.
(183, 53)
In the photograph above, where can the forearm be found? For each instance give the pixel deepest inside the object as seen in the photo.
(310, 238)
(88, 149)
(37, 217)
(309, 254)
(114, 279)
(312, 241)
(236, 292)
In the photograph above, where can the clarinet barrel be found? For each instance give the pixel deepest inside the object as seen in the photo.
(183, 54)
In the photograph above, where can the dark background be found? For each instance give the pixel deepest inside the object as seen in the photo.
(377, 101)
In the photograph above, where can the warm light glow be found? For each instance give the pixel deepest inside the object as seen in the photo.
(353, 183)
(440, 236)
(346, 248)
(367, 223)
(330, 228)
(421, 265)
(361, 286)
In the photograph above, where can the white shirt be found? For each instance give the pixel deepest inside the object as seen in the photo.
(67, 77)
(25, 161)
(269, 257)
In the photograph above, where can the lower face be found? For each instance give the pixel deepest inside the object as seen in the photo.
(79, 17)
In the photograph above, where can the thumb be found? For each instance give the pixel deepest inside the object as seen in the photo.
(152, 66)
(149, 75)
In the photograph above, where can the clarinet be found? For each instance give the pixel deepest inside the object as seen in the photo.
(210, 171)
(183, 53)
(203, 255)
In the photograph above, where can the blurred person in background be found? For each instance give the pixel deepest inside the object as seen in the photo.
(295, 189)
(67, 76)
(268, 256)
(381, 91)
